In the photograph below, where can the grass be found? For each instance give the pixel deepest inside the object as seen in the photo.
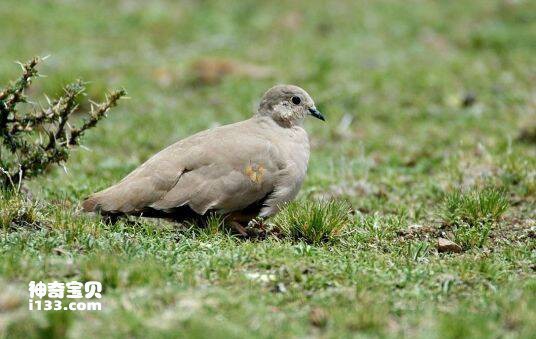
(474, 208)
(314, 221)
(427, 106)
(18, 211)
(471, 215)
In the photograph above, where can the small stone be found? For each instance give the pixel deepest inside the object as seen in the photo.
(447, 246)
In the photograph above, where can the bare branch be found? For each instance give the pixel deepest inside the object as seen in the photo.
(23, 152)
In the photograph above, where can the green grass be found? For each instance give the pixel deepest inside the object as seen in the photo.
(471, 215)
(314, 221)
(403, 144)
(17, 210)
(474, 208)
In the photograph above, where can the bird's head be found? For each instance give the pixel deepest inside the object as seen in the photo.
(288, 105)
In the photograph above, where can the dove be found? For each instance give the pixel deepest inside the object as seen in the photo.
(245, 170)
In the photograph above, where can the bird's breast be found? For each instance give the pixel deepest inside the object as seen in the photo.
(297, 151)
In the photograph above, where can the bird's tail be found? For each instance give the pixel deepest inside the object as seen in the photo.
(90, 204)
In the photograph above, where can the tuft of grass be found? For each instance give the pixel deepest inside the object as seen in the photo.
(17, 211)
(470, 237)
(471, 215)
(215, 224)
(314, 221)
(475, 207)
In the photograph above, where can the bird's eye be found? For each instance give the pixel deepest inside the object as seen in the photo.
(296, 100)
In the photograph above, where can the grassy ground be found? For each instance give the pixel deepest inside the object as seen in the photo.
(425, 101)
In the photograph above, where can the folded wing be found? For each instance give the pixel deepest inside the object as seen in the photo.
(214, 170)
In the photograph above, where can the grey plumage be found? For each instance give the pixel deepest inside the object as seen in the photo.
(250, 166)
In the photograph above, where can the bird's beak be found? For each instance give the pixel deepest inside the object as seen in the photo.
(316, 113)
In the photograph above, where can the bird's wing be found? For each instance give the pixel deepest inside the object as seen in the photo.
(141, 187)
(227, 169)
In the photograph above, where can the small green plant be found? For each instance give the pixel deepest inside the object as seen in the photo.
(32, 141)
(471, 236)
(471, 215)
(475, 207)
(16, 210)
(416, 251)
(314, 221)
(214, 224)
(518, 175)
